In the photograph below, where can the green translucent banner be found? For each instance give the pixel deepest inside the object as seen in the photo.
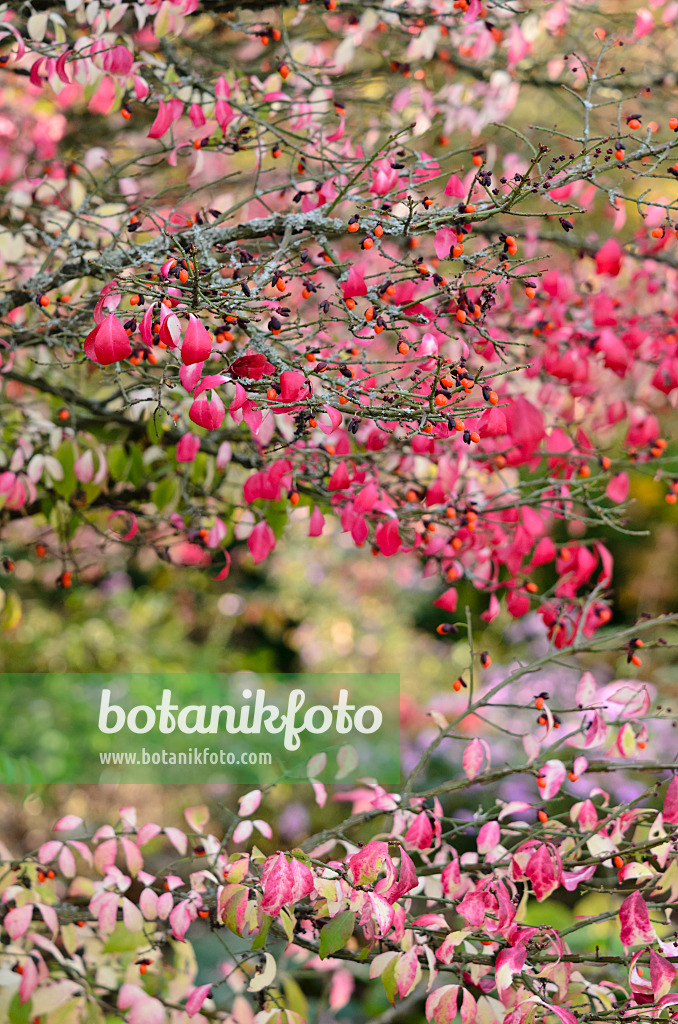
(201, 728)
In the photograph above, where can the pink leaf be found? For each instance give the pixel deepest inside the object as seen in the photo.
(335, 420)
(252, 367)
(226, 569)
(207, 412)
(634, 918)
(406, 971)
(197, 998)
(29, 979)
(277, 884)
(553, 773)
(197, 344)
(190, 375)
(617, 489)
(455, 187)
(662, 975)
(261, 542)
(178, 840)
(18, 920)
(111, 342)
(249, 803)
(181, 918)
(447, 601)
(339, 479)
(106, 909)
(187, 448)
(68, 823)
(134, 526)
(387, 537)
(473, 758)
(670, 810)
(163, 120)
(443, 241)
(441, 1005)
(131, 916)
(609, 258)
(419, 835)
(488, 837)
(355, 284)
(316, 523)
(508, 963)
(544, 870)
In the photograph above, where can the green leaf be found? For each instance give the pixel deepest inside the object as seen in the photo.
(137, 469)
(388, 980)
(122, 941)
(165, 492)
(262, 933)
(66, 458)
(294, 997)
(117, 459)
(336, 934)
(19, 1013)
(276, 516)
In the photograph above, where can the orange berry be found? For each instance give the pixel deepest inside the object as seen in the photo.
(457, 250)
(271, 394)
(64, 414)
(44, 301)
(403, 348)
(280, 284)
(183, 276)
(440, 400)
(671, 499)
(475, 436)
(572, 777)
(633, 123)
(40, 550)
(283, 71)
(541, 782)
(673, 124)
(379, 230)
(543, 816)
(585, 471)
(531, 588)
(294, 497)
(657, 232)
(369, 313)
(618, 862)
(367, 243)
(350, 303)
(461, 316)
